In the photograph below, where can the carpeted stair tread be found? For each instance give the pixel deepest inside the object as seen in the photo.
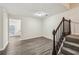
(73, 52)
(73, 36)
(71, 43)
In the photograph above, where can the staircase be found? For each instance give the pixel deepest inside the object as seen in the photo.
(64, 43)
(71, 45)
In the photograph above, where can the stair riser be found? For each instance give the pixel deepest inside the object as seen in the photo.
(72, 40)
(71, 47)
(66, 52)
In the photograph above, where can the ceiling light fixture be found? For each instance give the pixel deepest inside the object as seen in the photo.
(41, 13)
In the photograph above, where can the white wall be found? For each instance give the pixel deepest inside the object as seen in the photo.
(1, 29)
(49, 24)
(5, 28)
(31, 28)
(52, 22)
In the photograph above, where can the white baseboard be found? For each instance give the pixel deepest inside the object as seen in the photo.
(48, 37)
(4, 47)
(30, 38)
(35, 37)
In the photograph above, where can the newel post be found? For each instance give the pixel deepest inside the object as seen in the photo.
(69, 26)
(54, 48)
(63, 27)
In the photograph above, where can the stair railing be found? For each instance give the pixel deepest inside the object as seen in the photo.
(63, 29)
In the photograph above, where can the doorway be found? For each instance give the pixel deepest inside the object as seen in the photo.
(14, 29)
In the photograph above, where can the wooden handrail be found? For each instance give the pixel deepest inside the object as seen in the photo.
(59, 25)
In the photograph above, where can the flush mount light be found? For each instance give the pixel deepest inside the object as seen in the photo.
(40, 14)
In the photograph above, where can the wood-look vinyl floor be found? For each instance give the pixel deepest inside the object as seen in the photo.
(35, 46)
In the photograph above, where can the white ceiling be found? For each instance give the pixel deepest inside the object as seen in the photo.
(28, 9)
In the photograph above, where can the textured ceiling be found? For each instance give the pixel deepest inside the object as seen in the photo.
(28, 9)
